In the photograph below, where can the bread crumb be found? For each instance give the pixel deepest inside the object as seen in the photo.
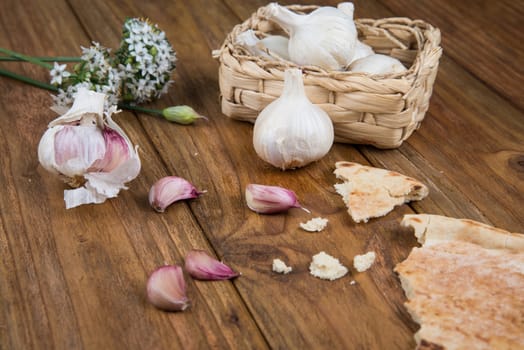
(314, 225)
(353, 282)
(324, 266)
(364, 262)
(280, 267)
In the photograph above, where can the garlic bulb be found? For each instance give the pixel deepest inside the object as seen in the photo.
(272, 44)
(89, 150)
(325, 37)
(275, 44)
(362, 50)
(377, 64)
(292, 132)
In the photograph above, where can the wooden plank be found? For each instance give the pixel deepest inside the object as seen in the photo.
(79, 279)
(225, 164)
(484, 37)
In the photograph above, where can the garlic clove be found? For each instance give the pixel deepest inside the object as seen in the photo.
(292, 132)
(377, 64)
(169, 190)
(166, 289)
(264, 199)
(89, 150)
(203, 267)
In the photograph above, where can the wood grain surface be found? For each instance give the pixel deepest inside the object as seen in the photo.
(75, 279)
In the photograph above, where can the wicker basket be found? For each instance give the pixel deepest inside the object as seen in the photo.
(381, 110)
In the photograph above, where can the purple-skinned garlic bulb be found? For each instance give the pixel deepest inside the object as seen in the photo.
(169, 190)
(89, 151)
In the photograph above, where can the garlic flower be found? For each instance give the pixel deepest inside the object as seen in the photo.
(292, 132)
(91, 153)
(325, 37)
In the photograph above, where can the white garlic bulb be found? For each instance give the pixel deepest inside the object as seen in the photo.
(325, 37)
(291, 131)
(265, 47)
(276, 44)
(377, 64)
(362, 50)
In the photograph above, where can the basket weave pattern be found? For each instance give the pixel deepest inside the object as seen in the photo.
(380, 110)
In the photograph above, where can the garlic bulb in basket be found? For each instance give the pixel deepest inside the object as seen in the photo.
(291, 131)
(377, 64)
(325, 37)
(265, 47)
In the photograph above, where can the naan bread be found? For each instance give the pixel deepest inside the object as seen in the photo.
(431, 229)
(465, 285)
(370, 192)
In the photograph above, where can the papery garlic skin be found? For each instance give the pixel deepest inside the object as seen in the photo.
(169, 190)
(166, 289)
(203, 267)
(265, 199)
(325, 37)
(292, 132)
(89, 150)
(377, 64)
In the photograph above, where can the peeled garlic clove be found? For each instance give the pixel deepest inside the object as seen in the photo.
(377, 64)
(292, 132)
(170, 189)
(270, 199)
(203, 267)
(166, 289)
(89, 151)
(325, 37)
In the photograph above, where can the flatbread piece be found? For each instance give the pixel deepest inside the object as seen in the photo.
(465, 285)
(370, 192)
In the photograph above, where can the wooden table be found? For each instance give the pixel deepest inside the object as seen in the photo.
(72, 279)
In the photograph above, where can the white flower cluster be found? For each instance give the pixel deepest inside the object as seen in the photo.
(139, 72)
(147, 59)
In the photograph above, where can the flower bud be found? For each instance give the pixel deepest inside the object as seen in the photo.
(170, 189)
(166, 289)
(203, 267)
(270, 199)
(181, 114)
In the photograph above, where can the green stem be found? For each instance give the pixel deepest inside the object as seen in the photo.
(44, 59)
(27, 80)
(26, 58)
(140, 109)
